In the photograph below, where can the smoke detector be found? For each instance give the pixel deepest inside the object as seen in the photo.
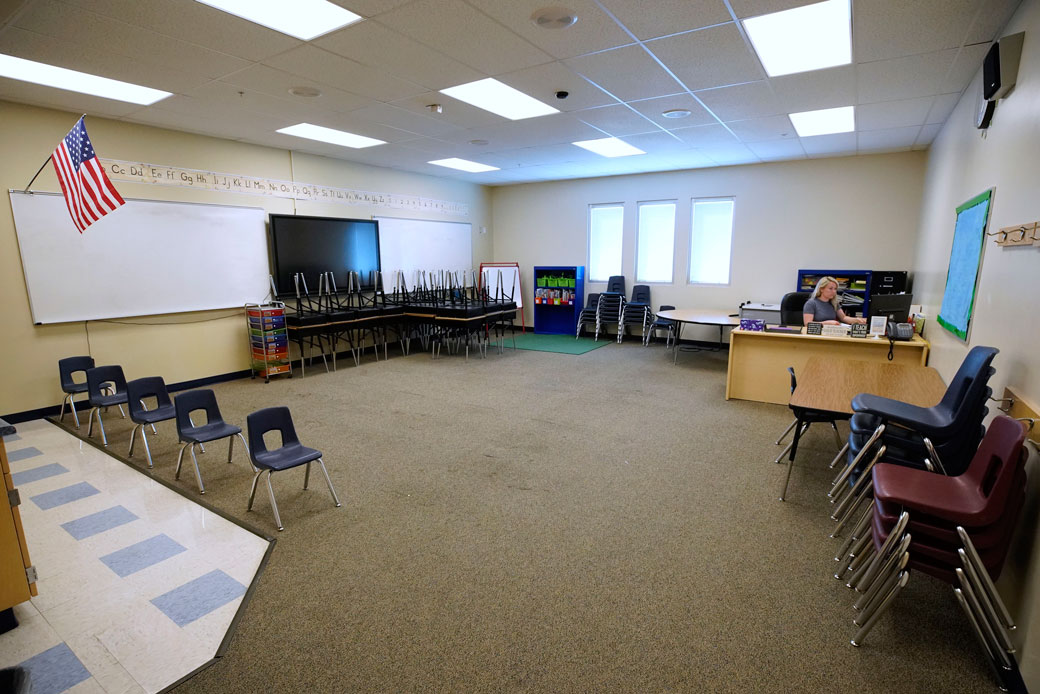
(554, 17)
(305, 92)
(676, 113)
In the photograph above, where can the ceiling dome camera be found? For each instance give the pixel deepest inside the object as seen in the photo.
(562, 94)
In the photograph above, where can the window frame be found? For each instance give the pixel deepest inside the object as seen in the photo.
(732, 230)
(675, 219)
(588, 240)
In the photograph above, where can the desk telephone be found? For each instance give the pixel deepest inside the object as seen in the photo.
(900, 331)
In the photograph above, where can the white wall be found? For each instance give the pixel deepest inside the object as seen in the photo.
(962, 163)
(842, 213)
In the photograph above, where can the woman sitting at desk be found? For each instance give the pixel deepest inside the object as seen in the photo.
(823, 306)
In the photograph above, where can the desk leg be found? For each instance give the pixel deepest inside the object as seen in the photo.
(790, 459)
(675, 343)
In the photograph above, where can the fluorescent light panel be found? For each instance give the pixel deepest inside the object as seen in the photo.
(827, 121)
(609, 147)
(74, 81)
(464, 165)
(336, 137)
(304, 19)
(806, 38)
(501, 99)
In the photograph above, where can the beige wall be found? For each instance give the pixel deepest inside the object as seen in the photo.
(962, 163)
(843, 213)
(177, 347)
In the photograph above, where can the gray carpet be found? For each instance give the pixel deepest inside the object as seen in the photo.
(540, 522)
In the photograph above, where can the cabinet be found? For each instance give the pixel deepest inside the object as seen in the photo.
(559, 296)
(268, 340)
(856, 286)
(17, 576)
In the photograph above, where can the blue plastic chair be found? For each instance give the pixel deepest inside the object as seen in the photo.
(291, 454)
(66, 368)
(214, 429)
(106, 386)
(136, 391)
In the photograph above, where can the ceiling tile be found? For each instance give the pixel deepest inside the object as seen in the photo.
(344, 74)
(543, 81)
(29, 93)
(369, 8)
(617, 120)
(885, 29)
(197, 24)
(927, 135)
(966, 65)
(891, 139)
(658, 143)
(276, 83)
(454, 112)
(763, 129)
(777, 150)
(810, 91)
(706, 136)
(371, 43)
(627, 73)
(742, 101)
(667, 16)
(594, 30)
(653, 108)
(199, 109)
(403, 119)
(552, 129)
(903, 78)
(728, 155)
(942, 107)
(829, 145)
(552, 154)
(993, 15)
(755, 8)
(893, 114)
(712, 57)
(470, 37)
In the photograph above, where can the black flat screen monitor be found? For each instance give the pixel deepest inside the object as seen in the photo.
(313, 245)
(895, 306)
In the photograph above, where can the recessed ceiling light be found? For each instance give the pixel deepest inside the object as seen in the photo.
(464, 165)
(305, 92)
(676, 113)
(336, 137)
(75, 81)
(554, 18)
(826, 121)
(806, 38)
(501, 99)
(304, 19)
(609, 147)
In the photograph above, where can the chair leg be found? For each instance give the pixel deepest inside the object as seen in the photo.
(101, 425)
(901, 580)
(133, 437)
(837, 436)
(198, 475)
(786, 431)
(121, 412)
(72, 406)
(252, 490)
(230, 447)
(192, 423)
(274, 504)
(147, 451)
(180, 459)
(329, 482)
(90, 422)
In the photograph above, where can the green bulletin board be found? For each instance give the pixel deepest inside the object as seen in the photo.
(969, 235)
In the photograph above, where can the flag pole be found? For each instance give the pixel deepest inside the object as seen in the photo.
(46, 161)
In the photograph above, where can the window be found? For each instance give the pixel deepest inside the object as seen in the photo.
(711, 236)
(655, 242)
(605, 223)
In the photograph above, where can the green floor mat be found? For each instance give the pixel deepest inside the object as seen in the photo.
(564, 344)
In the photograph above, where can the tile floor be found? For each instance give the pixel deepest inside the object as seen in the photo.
(137, 584)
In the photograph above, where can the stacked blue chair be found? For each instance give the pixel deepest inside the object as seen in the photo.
(637, 312)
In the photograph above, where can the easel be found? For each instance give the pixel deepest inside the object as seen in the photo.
(516, 296)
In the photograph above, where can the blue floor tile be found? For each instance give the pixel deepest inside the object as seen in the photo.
(38, 473)
(198, 598)
(99, 522)
(12, 437)
(142, 554)
(55, 670)
(23, 453)
(65, 495)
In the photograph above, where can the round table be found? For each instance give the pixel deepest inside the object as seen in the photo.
(697, 317)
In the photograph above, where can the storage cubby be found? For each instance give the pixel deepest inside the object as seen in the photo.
(559, 296)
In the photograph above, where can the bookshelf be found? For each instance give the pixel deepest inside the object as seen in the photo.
(559, 295)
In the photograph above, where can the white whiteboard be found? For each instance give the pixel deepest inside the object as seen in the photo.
(145, 258)
(420, 244)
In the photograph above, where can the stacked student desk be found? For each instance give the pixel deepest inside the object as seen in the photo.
(758, 361)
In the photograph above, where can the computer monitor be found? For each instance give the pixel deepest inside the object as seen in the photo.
(895, 306)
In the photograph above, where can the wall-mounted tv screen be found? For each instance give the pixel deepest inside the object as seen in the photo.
(313, 245)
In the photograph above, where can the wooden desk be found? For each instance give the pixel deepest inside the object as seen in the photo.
(693, 316)
(758, 361)
(828, 385)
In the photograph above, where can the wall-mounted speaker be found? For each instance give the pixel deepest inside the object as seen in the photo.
(1000, 67)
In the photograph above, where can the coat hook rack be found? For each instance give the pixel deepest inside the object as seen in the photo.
(1017, 235)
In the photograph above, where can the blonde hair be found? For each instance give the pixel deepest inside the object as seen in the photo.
(824, 281)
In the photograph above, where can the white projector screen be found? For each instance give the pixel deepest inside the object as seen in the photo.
(420, 244)
(145, 258)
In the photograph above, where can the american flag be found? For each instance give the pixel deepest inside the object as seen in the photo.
(89, 194)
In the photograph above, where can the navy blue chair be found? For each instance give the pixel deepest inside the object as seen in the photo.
(106, 386)
(637, 311)
(661, 324)
(616, 284)
(588, 313)
(66, 368)
(291, 453)
(214, 429)
(136, 392)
